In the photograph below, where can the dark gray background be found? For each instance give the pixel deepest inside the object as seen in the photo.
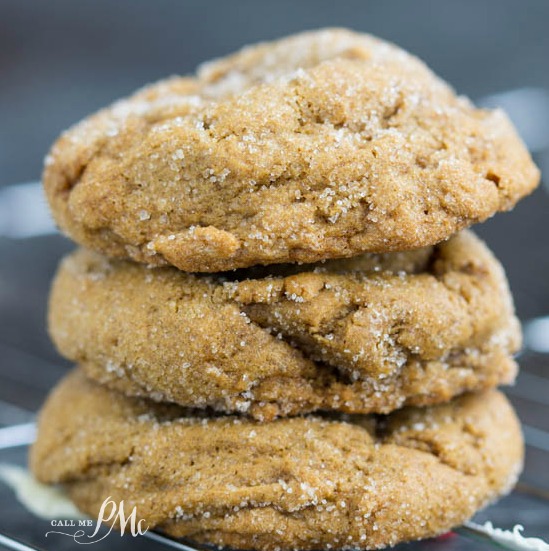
(62, 59)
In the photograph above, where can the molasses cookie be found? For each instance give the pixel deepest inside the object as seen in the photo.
(367, 334)
(343, 482)
(323, 145)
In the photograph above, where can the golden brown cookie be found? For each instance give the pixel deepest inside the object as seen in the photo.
(367, 334)
(322, 145)
(299, 483)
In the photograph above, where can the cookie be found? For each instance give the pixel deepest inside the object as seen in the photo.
(368, 334)
(344, 482)
(323, 145)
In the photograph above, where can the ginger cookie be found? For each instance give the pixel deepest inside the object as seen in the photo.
(368, 334)
(323, 145)
(312, 482)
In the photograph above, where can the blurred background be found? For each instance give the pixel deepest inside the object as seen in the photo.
(62, 59)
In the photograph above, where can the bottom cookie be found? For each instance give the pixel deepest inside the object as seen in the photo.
(309, 482)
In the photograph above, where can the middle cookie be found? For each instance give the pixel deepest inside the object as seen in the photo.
(367, 334)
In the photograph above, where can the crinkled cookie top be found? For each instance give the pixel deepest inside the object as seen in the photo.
(322, 145)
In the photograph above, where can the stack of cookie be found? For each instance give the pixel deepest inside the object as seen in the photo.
(286, 337)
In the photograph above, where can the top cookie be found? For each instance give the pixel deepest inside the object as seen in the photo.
(322, 145)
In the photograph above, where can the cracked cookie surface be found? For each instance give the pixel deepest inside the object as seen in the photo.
(299, 483)
(322, 145)
(368, 334)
